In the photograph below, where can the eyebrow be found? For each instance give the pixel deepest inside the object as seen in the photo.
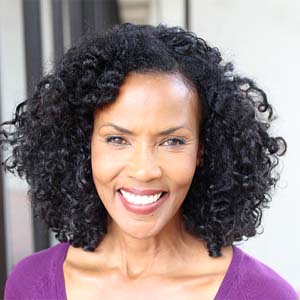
(126, 131)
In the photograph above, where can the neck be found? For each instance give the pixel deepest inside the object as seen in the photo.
(156, 255)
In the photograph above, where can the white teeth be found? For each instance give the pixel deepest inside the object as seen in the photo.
(138, 199)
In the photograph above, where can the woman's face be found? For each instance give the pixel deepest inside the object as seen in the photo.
(130, 151)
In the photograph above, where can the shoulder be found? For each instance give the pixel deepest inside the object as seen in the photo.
(35, 273)
(258, 281)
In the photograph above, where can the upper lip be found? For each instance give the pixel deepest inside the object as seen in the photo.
(142, 192)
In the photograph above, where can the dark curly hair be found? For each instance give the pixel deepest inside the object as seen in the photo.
(50, 135)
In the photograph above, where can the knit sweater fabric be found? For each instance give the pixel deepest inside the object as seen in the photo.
(40, 277)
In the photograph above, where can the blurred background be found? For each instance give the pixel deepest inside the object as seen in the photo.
(262, 39)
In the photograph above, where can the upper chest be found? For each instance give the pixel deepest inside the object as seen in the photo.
(109, 286)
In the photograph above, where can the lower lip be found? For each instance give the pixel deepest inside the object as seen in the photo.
(142, 209)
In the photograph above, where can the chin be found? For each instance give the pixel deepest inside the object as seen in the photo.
(141, 231)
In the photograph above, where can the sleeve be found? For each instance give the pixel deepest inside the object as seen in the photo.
(14, 285)
(258, 281)
(23, 281)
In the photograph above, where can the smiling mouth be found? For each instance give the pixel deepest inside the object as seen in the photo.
(141, 199)
(137, 206)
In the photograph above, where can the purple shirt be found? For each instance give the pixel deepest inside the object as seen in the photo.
(40, 276)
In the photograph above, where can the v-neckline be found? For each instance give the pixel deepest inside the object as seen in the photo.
(221, 294)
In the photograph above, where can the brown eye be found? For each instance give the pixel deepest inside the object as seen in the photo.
(175, 142)
(115, 140)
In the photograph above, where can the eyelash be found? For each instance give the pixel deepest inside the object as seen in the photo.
(111, 138)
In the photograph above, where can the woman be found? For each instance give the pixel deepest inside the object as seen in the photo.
(148, 157)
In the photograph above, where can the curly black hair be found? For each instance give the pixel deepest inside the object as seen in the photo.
(50, 135)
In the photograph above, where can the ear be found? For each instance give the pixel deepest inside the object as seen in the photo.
(200, 154)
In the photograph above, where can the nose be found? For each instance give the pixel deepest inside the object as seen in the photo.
(143, 164)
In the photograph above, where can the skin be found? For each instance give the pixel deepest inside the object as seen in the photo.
(146, 256)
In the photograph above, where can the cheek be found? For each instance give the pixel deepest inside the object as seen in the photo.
(181, 170)
(179, 167)
(103, 164)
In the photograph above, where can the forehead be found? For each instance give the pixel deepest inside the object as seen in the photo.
(153, 96)
(172, 84)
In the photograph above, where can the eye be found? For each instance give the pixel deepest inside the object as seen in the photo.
(118, 140)
(115, 140)
(175, 142)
